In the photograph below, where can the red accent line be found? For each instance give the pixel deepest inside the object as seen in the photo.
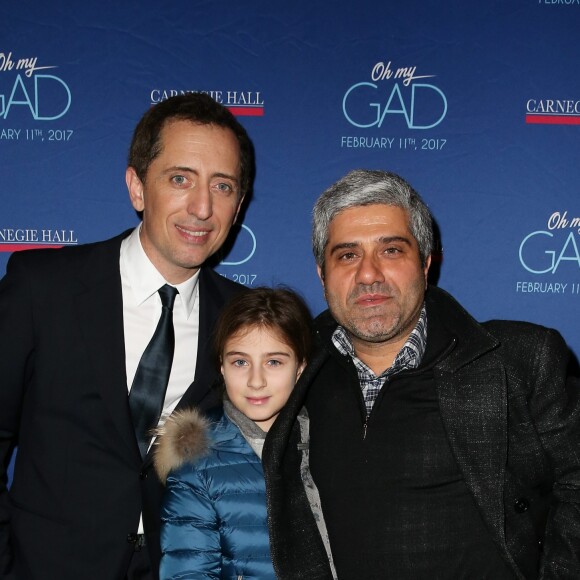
(247, 111)
(20, 247)
(553, 119)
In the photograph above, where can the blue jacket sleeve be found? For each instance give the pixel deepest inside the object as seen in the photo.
(190, 537)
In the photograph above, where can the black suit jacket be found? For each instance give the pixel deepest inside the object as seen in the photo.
(79, 482)
(512, 416)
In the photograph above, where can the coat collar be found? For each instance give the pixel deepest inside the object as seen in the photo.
(453, 329)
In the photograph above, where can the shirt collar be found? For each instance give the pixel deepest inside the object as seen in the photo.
(144, 278)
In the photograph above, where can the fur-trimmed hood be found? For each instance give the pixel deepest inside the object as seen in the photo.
(182, 439)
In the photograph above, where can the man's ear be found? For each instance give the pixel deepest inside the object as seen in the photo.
(239, 208)
(426, 269)
(320, 273)
(135, 187)
(300, 369)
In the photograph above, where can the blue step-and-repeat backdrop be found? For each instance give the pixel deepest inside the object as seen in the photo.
(476, 103)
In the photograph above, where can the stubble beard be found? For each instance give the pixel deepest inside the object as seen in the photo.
(374, 329)
(374, 325)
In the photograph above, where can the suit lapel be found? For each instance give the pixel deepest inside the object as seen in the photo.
(100, 314)
(472, 392)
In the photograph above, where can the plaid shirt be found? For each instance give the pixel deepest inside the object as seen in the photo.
(409, 357)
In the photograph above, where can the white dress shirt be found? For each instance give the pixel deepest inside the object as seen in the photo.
(142, 310)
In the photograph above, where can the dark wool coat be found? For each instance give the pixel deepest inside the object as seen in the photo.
(512, 419)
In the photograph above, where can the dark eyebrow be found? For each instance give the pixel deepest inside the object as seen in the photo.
(227, 176)
(179, 168)
(343, 246)
(390, 239)
(382, 240)
(240, 353)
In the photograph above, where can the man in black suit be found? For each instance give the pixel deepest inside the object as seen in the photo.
(74, 324)
(439, 447)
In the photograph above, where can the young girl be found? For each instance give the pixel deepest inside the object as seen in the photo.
(214, 512)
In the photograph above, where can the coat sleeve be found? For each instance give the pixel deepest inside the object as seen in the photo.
(555, 409)
(190, 536)
(16, 356)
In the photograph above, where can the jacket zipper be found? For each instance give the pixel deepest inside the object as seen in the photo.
(379, 396)
(408, 373)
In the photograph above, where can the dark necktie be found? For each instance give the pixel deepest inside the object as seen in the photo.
(150, 383)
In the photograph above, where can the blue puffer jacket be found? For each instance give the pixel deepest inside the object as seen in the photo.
(214, 511)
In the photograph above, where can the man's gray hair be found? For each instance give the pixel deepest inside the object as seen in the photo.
(363, 187)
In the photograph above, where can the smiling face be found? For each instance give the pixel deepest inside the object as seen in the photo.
(373, 279)
(259, 371)
(190, 197)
